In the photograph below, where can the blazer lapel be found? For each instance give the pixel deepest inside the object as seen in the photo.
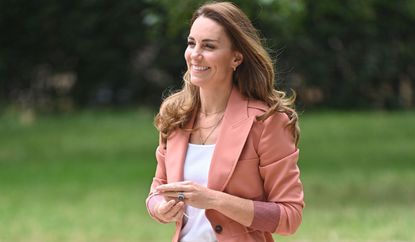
(176, 153)
(231, 140)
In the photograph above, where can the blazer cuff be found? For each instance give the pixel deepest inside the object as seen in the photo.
(266, 216)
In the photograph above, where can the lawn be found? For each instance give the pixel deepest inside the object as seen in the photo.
(84, 177)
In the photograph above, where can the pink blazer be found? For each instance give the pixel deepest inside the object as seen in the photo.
(255, 160)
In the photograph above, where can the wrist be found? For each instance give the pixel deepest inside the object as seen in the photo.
(215, 200)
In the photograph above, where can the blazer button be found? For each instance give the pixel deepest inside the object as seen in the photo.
(218, 229)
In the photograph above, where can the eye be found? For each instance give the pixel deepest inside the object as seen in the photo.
(209, 46)
(190, 43)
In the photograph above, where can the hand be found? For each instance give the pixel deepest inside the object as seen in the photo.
(169, 211)
(196, 195)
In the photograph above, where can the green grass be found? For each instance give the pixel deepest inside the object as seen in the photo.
(84, 177)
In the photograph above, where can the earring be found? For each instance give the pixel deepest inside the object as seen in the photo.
(234, 68)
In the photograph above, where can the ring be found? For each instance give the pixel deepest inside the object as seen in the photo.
(180, 196)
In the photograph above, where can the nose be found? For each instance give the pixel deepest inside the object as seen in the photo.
(196, 53)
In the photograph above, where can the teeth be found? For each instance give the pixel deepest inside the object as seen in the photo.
(200, 68)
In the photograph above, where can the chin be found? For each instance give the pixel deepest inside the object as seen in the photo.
(197, 81)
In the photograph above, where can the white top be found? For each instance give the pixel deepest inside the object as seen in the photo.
(196, 168)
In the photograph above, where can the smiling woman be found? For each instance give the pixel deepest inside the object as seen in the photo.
(227, 157)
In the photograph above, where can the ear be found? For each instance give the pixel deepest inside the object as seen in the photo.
(237, 60)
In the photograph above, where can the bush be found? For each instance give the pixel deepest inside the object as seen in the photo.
(63, 54)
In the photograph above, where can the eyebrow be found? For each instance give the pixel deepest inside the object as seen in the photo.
(204, 40)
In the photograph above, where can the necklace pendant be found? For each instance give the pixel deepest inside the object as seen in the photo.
(203, 141)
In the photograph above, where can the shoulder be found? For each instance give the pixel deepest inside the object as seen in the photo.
(273, 131)
(258, 108)
(275, 126)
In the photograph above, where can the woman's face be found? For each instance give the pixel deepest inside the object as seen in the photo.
(209, 55)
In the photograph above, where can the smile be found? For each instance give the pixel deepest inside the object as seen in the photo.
(200, 68)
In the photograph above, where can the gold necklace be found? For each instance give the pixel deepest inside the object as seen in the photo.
(203, 141)
(211, 126)
(208, 114)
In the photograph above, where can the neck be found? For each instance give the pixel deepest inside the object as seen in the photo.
(214, 101)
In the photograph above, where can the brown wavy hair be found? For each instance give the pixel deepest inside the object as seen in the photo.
(255, 76)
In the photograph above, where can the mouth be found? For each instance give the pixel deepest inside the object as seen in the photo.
(199, 68)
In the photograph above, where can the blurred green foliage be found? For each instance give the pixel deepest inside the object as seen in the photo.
(57, 55)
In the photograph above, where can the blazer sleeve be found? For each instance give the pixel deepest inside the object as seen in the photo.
(278, 168)
(160, 178)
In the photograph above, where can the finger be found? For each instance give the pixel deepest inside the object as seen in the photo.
(170, 188)
(181, 188)
(170, 195)
(179, 215)
(175, 210)
(167, 198)
(174, 195)
(174, 187)
(165, 207)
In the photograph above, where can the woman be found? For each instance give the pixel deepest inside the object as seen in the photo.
(227, 158)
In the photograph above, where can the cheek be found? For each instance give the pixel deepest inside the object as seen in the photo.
(224, 63)
(223, 58)
(187, 54)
